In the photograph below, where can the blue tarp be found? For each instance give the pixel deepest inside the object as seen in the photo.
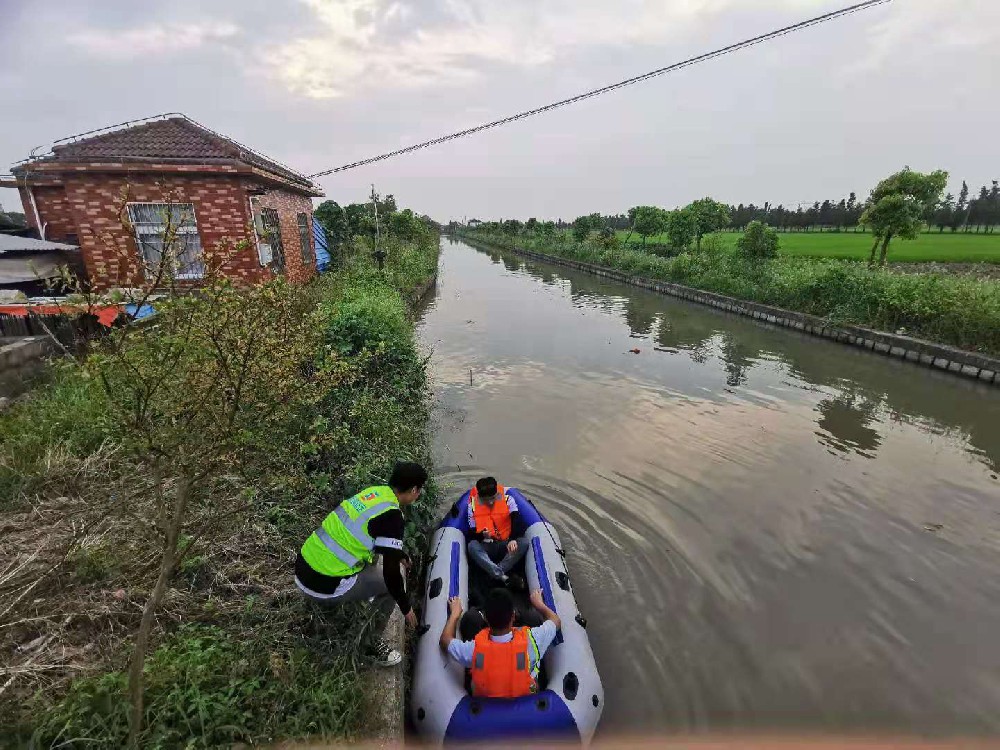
(322, 247)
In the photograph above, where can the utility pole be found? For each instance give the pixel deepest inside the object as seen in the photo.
(379, 253)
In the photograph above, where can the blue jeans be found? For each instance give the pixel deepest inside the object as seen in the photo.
(494, 558)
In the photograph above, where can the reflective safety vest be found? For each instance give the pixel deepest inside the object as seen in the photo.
(341, 546)
(496, 520)
(503, 670)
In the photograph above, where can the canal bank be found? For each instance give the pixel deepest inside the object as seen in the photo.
(766, 530)
(236, 654)
(918, 351)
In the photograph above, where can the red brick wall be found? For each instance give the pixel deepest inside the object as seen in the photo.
(53, 210)
(109, 250)
(89, 204)
(289, 206)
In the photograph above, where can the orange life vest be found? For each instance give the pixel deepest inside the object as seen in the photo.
(503, 670)
(495, 520)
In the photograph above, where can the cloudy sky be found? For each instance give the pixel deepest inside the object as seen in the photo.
(319, 83)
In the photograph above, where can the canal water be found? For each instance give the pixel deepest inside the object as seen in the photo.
(765, 530)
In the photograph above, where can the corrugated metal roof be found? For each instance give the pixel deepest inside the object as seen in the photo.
(12, 244)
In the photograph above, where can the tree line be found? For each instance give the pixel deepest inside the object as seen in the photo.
(900, 206)
(978, 214)
(379, 217)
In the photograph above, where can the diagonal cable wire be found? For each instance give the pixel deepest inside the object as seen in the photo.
(615, 86)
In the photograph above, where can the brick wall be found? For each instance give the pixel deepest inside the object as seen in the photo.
(110, 253)
(53, 210)
(89, 205)
(289, 206)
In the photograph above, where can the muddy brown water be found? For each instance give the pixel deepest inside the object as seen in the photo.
(765, 530)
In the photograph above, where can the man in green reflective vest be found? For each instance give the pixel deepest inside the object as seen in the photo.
(335, 565)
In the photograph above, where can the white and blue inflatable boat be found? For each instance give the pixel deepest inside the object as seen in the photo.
(570, 698)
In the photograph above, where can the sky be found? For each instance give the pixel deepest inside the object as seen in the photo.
(320, 83)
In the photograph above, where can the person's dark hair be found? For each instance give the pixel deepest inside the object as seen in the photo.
(499, 608)
(406, 475)
(486, 487)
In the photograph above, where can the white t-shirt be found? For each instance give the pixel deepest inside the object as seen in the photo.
(544, 634)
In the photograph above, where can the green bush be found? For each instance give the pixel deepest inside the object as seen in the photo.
(758, 242)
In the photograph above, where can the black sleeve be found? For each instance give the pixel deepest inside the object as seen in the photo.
(516, 527)
(387, 531)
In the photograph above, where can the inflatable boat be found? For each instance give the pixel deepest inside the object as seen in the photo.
(570, 699)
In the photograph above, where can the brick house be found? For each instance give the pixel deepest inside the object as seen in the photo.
(169, 171)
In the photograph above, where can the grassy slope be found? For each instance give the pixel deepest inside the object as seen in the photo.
(254, 662)
(932, 246)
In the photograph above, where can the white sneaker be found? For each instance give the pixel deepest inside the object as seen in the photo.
(385, 655)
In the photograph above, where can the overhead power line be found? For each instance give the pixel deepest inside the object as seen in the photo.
(615, 86)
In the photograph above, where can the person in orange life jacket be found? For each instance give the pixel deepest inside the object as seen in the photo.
(504, 660)
(492, 520)
(337, 563)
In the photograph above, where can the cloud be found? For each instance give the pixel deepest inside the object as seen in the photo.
(363, 43)
(922, 29)
(151, 40)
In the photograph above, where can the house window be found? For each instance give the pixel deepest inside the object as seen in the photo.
(168, 231)
(307, 256)
(268, 226)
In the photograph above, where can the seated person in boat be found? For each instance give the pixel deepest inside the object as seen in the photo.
(492, 520)
(504, 660)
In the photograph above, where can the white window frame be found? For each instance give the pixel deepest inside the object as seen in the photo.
(195, 267)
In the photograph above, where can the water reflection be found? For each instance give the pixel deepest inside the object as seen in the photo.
(845, 425)
(936, 401)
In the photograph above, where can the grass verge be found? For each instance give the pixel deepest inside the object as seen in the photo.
(938, 247)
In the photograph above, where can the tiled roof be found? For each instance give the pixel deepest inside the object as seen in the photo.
(175, 138)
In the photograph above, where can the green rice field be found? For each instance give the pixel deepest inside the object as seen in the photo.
(929, 247)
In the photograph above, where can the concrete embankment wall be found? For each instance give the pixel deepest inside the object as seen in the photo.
(918, 351)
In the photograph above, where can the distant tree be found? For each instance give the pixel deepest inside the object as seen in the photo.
(960, 216)
(994, 212)
(531, 225)
(825, 214)
(709, 216)
(944, 213)
(581, 228)
(897, 205)
(853, 210)
(759, 242)
(840, 215)
(12, 220)
(978, 209)
(548, 228)
(647, 221)
(681, 228)
(405, 225)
